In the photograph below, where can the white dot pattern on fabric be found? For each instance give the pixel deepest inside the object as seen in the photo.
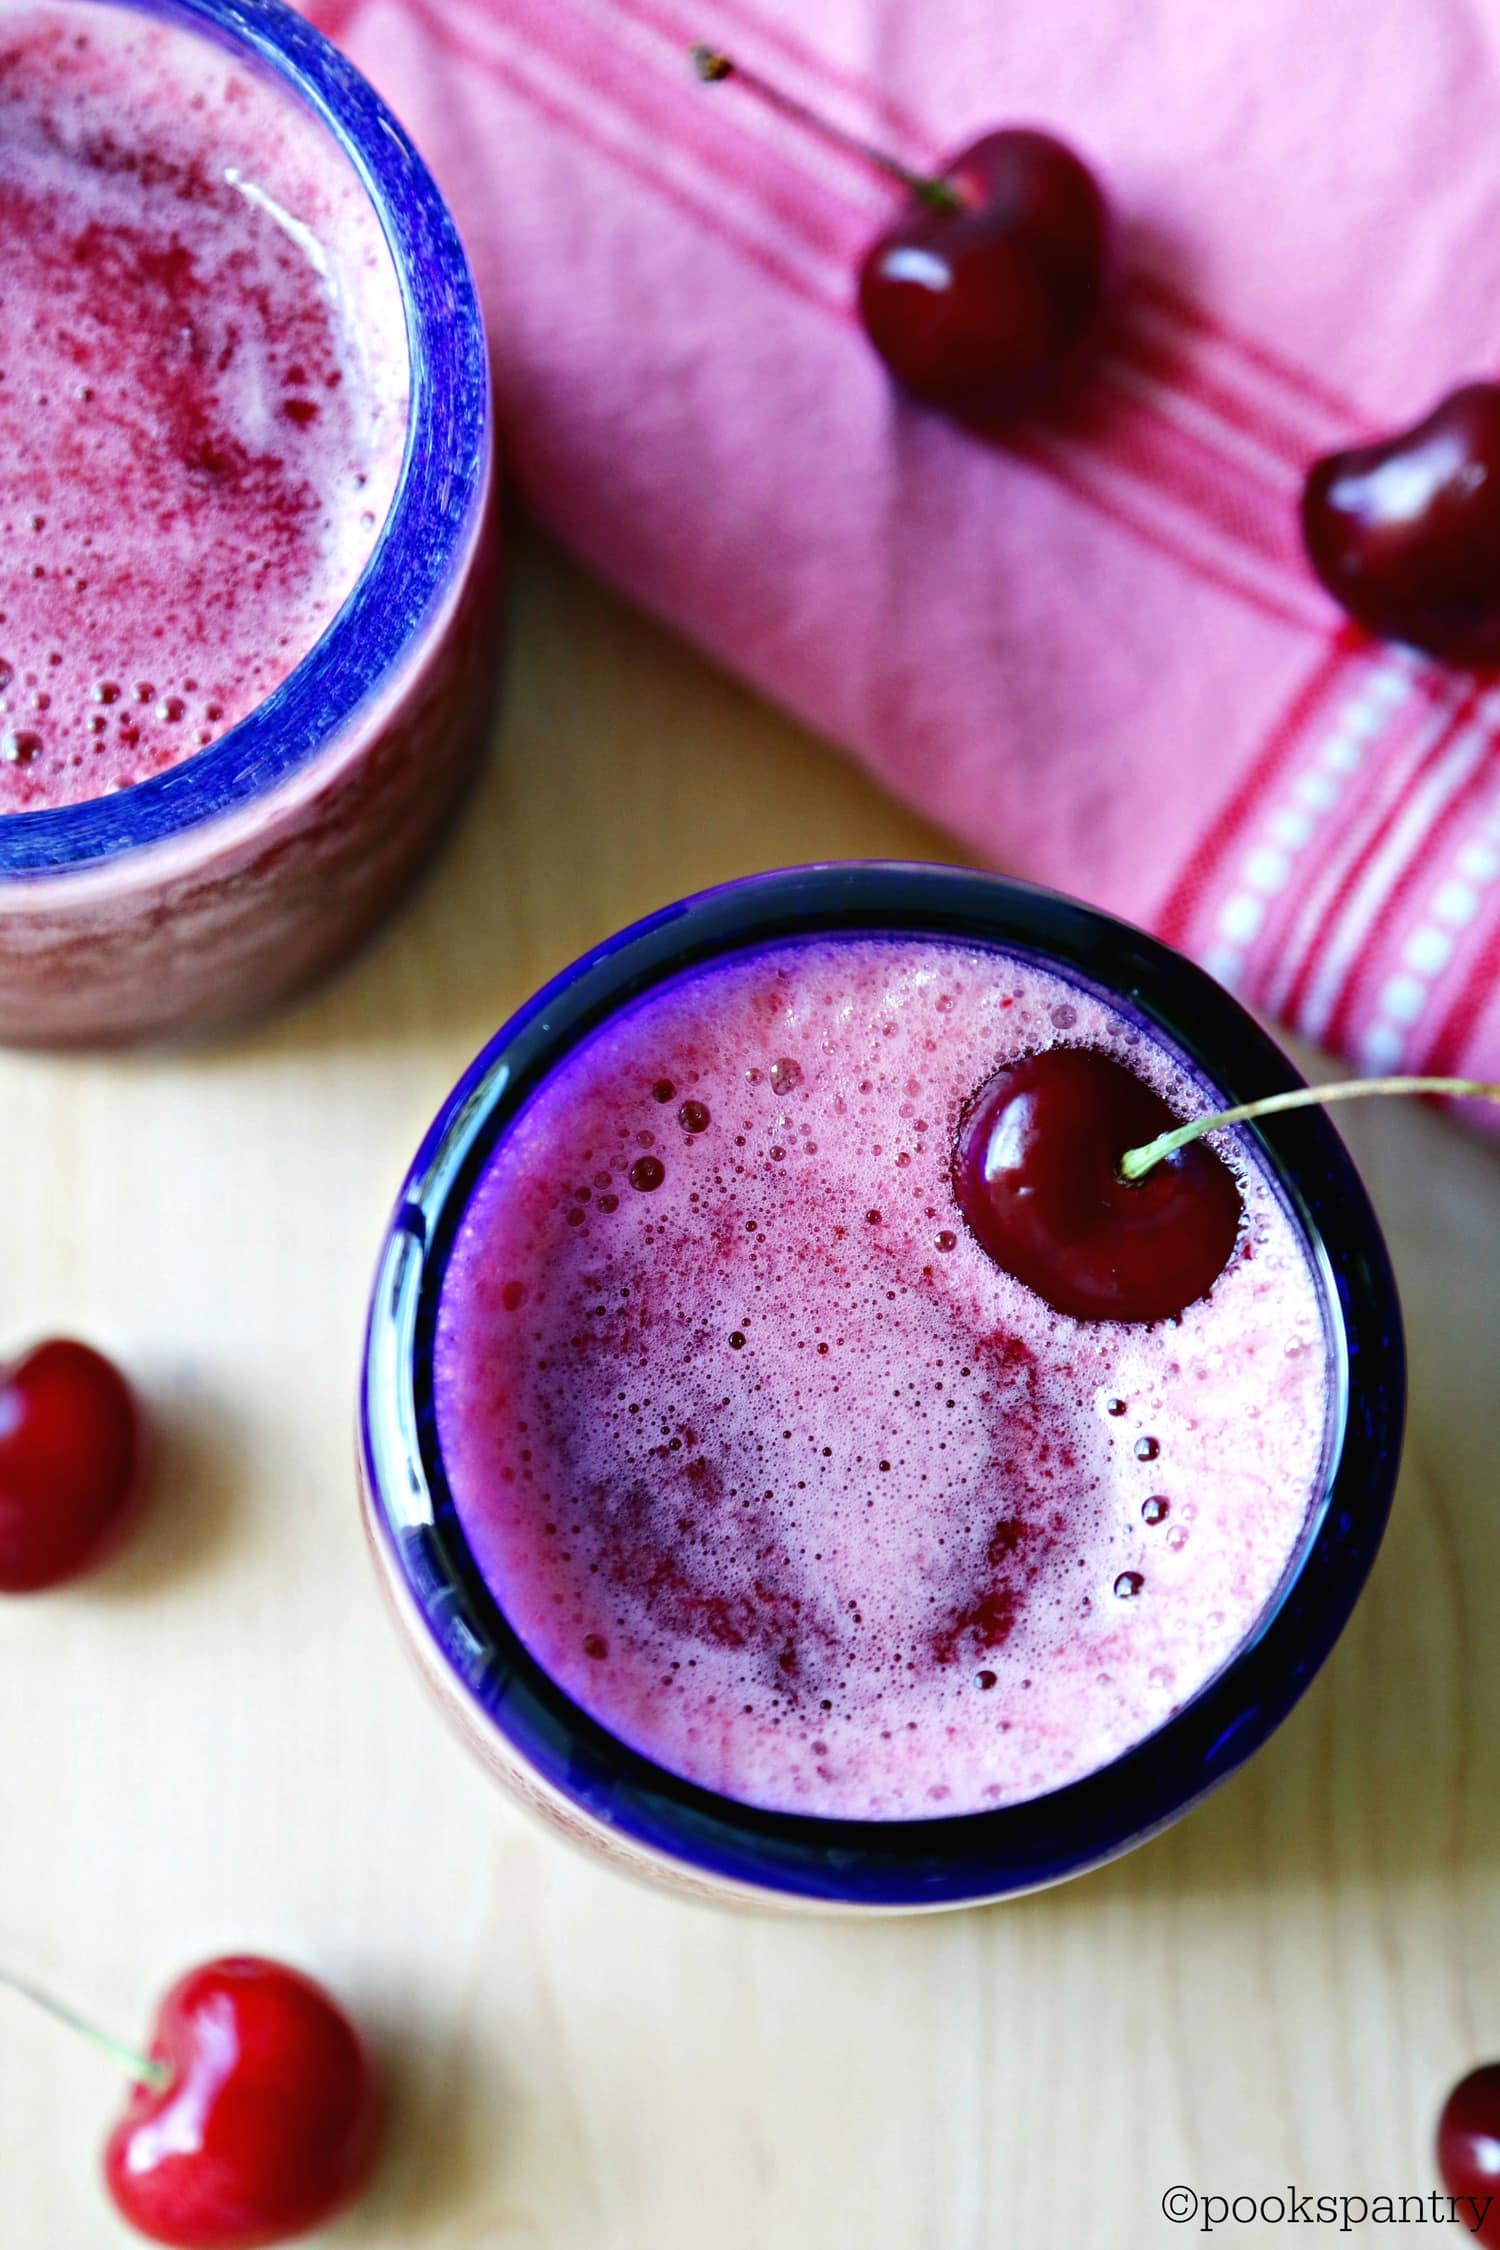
(1382, 1047)
(1268, 870)
(1428, 951)
(1224, 963)
(1318, 791)
(1457, 904)
(1403, 998)
(1241, 918)
(1270, 865)
(1291, 827)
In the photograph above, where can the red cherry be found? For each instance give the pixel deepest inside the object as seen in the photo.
(268, 2124)
(70, 1459)
(1036, 1175)
(1468, 2148)
(1405, 534)
(980, 306)
(980, 293)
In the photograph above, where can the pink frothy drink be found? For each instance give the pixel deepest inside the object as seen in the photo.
(203, 397)
(779, 1476)
(244, 468)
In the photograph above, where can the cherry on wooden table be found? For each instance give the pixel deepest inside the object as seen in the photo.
(261, 2120)
(70, 1464)
(1468, 2147)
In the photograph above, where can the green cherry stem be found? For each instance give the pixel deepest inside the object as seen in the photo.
(1137, 1162)
(713, 68)
(140, 2067)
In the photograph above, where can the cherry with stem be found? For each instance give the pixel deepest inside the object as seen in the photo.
(1076, 1178)
(253, 2117)
(982, 291)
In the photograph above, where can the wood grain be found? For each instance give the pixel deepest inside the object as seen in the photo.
(219, 1744)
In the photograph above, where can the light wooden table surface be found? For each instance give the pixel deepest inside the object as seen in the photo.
(218, 1744)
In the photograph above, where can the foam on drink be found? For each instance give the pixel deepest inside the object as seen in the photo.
(779, 1476)
(203, 395)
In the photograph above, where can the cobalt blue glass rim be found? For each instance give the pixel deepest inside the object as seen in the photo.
(922, 1863)
(434, 514)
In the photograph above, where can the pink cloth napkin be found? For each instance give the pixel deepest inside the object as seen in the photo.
(1094, 652)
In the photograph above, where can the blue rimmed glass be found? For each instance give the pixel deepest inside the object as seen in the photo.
(605, 1792)
(216, 887)
(439, 492)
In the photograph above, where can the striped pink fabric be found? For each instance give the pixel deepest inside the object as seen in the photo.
(1093, 651)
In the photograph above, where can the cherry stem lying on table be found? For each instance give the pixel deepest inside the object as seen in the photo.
(140, 2067)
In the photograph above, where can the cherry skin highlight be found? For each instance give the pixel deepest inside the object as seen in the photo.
(1405, 534)
(979, 306)
(269, 2124)
(1036, 1176)
(1468, 2146)
(70, 1464)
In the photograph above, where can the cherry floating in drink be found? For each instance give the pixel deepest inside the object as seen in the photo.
(1078, 1179)
(70, 1464)
(1405, 533)
(1037, 1176)
(981, 292)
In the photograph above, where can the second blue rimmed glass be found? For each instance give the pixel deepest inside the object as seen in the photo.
(215, 888)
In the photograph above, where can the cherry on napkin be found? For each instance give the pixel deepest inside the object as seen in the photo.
(1094, 651)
